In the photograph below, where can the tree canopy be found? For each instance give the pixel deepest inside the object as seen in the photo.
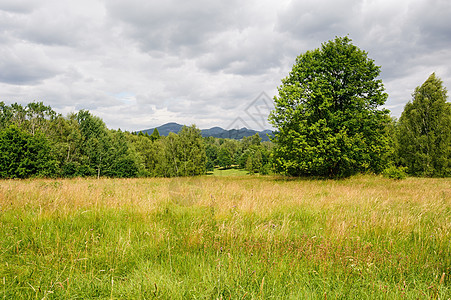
(184, 154)
(424, 131)
(23, 154)
(327, 114)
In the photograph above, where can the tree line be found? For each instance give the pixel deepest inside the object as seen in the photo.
(35, 141)
(328, 118)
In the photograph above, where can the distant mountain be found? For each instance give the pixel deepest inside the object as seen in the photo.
(165, 129)
(212, 131)
(216, 132)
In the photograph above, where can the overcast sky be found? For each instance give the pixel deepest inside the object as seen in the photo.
(139, 64)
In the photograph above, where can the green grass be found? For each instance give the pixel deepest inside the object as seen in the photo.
(229, 172)
(209, 237)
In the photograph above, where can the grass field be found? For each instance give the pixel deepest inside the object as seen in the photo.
(212, 237)
(229, 172)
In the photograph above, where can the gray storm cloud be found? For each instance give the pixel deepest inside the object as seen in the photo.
(202, 61)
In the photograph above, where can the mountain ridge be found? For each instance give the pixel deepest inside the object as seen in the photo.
(216, 131)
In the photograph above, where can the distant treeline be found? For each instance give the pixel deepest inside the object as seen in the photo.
(35, 141)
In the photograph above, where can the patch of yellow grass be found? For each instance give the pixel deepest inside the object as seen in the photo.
(375, 201)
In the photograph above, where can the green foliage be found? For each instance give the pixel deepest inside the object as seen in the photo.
(254, 161)
(212, 152)
(229, 152)
(24, 155)
(82, 146)
(255, 155)
(123, 159)
(424, 133)
(106, 152)
(327, 117)
(155, 135)
(183, 153)
(95, 142)
(225, 156)
(254, 140)
(192, 151)
(147, 153)
(395, 172)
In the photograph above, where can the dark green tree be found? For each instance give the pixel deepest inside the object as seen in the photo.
(225, 156)
(146, 152)
(327, 116)
(123, 159)
(212, 151)
(169, 159)
(105, 152)
(424, 131)
(155, 135)
(95, 144)
(24, 155)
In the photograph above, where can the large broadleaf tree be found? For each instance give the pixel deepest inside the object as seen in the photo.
(327, 115)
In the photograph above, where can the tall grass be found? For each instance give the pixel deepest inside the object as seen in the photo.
(365, 237)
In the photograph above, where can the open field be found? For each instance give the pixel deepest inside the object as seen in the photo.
(211, 237)
(229, 172)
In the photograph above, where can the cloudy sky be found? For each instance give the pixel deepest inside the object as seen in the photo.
(139, 64)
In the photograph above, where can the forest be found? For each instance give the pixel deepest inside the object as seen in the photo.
(35, 141)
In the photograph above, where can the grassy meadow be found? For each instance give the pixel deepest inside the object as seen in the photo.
(229, 172)
(238, 237)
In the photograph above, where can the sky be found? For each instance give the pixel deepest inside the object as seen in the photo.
(140, 64)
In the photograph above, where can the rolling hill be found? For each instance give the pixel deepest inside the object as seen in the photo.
(217, 132)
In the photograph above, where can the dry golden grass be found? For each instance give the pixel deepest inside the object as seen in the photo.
(365, 235)
(253, 194)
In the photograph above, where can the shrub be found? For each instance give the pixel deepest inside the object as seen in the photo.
(395, 172)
